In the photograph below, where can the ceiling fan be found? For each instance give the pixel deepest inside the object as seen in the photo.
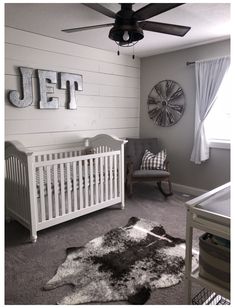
(128, 26)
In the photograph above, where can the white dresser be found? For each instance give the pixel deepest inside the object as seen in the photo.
(209, 212)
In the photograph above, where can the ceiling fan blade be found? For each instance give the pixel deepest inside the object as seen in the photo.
(154, 9)
(86, 28)
(101, 9)
(164, 28)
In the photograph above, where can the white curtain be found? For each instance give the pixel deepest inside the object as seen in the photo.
(209, 75)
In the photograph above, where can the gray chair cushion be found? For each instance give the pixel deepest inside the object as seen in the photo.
(135, 148)
(150, 173)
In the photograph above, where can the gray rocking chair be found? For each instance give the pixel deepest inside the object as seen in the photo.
(134, 151)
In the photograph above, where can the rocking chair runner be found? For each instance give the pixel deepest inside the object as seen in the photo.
(134, 151)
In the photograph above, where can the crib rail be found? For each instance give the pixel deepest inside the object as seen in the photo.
(76, 184)
(64, 153)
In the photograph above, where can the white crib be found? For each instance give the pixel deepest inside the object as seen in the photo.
(46, 186)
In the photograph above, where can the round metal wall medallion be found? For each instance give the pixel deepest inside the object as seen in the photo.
(166, 103)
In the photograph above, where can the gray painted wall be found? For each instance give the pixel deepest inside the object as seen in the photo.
(178, 139)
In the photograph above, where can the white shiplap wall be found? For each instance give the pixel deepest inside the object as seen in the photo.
(109, 102)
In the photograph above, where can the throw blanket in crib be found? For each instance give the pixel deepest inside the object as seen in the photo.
(126, 263)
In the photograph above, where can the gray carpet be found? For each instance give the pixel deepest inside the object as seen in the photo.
(29, 266)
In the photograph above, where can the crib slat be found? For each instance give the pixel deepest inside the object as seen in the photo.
(96, 181)
(17, 193)
(68, 187)
(62, 188)
(9, 186)
(7, 168)
(115, 176)
(106, 178)
(10, 180)
(56, 190)
(26, 192)
(80, 185)
(25, 195)
(75, 201)
(7, 178)
(23, 205)
(17, 188)
(13, 180)
(10, 168)
(101, 180)
(119, 175)
(20, 189)
(42, 198)
(86, 183)
(91, 174)
(12, 193)
(49, 197)
(110, 176)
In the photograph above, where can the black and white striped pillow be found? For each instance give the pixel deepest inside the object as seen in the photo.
(152, 161)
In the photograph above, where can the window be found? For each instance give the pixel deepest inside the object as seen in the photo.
(218, 122)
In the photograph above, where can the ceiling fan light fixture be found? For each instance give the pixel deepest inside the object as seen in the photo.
(126, 36)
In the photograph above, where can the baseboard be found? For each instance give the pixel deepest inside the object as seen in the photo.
(183, 188)
(188, 189)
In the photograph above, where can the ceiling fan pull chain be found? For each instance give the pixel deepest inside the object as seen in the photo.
(133, 56)
(118, 52)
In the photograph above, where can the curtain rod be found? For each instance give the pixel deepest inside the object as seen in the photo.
(193, 62)
(190, 63)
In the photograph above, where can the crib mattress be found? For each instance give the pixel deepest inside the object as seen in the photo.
(69, 183)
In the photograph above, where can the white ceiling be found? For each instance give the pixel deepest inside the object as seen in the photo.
(209, 22)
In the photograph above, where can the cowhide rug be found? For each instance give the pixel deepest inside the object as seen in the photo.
(126, 263)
